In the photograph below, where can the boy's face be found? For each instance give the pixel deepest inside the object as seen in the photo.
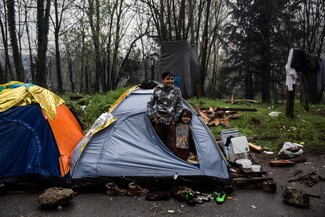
(168, 81)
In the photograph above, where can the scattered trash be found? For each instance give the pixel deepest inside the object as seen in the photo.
(254, 206)
(290, 150)
(246, 163)
(274, 114)
(219, 197)
(268, 152)
(170, 211)
(256, 168)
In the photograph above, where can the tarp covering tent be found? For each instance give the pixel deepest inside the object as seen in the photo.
(128, 148)
(37, 132)
(180, 58)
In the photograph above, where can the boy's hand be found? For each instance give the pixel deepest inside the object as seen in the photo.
(155, 120)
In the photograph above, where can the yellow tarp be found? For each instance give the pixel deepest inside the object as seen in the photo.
(25, 94)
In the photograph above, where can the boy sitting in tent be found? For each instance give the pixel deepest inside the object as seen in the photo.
(167, 100)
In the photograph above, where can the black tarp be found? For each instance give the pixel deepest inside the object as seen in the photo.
(180, 58)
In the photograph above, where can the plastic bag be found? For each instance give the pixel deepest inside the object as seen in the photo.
(290, 150)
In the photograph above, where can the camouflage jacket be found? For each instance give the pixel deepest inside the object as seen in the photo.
(165, 104)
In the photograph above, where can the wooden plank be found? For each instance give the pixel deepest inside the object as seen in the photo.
(205, 118)
(255, 148)
(252, 179)
(281, 163)
(303, 174)
(269, 185)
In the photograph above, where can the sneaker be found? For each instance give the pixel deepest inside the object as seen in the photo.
(137, 190)
(113, 189)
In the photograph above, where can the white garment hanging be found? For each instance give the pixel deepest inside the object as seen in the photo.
(291, 74)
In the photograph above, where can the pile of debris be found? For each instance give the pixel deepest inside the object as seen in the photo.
(246, 176)
(243, 159)
(220, 116)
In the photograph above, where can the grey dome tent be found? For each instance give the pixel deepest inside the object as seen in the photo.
(126, 147)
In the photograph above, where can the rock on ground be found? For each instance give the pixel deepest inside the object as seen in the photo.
(56, 196)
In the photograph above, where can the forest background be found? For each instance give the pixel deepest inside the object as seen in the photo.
(94, 46)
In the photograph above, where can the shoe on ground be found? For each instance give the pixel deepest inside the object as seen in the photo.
(136, 190)
(113, 189)
(181, 193)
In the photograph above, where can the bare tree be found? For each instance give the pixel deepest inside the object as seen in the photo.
(14, 43)
(4, 34)
(312, 23)
(31, 55)
(60, 7)
(43, 14)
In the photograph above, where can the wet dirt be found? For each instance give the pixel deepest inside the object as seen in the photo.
(243, 202)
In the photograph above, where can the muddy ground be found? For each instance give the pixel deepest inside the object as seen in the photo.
(243, 202)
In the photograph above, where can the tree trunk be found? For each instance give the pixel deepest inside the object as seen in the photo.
(204, 49)
(42, 40)
(94, 25)
(249, 90)
(70, 71)
(2, 75)
(7, 67)
(31, 61)
(14, 43)
(57, 27)
(266, 55)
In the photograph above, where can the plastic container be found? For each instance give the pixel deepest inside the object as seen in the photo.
(256, 168)
(246, 163)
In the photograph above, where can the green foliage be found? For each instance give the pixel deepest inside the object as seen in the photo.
(95, 105)
(271, 132)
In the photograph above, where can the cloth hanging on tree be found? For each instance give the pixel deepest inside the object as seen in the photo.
(291, 73)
